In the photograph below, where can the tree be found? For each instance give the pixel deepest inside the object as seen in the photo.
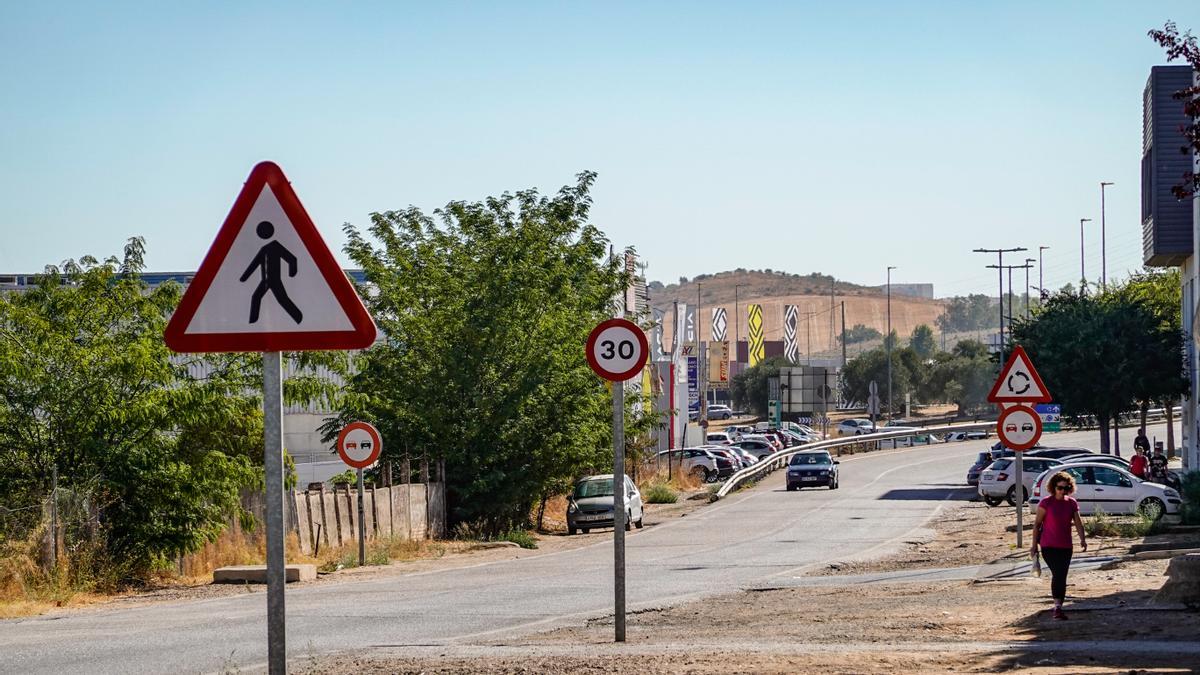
(967, 313)
(860, 333)
(963, 376)
(749, 388)
(1093, 351)
(1183, 46)
(486, 309)
(90, 390)
(872, 366)
(922, 341)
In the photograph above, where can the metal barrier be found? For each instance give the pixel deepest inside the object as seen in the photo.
(781, 458)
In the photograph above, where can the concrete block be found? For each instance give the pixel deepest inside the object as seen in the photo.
(257, 574)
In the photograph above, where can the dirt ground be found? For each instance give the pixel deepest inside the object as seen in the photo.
(948, 626)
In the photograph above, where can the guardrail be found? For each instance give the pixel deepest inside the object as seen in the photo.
(780, 459)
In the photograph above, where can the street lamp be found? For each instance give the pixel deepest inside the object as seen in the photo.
(1041, 284)
(887, 339)
(1082, 273)
(1103, 252)
(737, 326)
(1027, 266)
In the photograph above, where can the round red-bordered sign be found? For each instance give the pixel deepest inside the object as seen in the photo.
(359, 444)
(1019, 427)
(617, 349)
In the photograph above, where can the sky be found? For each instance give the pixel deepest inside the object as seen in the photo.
(832, 137)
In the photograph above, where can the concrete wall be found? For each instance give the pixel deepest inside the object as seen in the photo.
(331, 516)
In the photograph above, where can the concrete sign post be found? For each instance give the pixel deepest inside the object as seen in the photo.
(617, 350)
(269, 283)
(1018, 388)
(359, 445)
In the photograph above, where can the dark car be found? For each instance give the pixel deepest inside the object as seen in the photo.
(1056, 453)
(983, 460)
(759, 449)
(812, 469)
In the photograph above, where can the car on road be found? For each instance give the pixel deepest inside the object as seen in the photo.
(854, 427)
(591, 504)
(719, 412)
(814, 468)
(998, 482)
(1101, 487)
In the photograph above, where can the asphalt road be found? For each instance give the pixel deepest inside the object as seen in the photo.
(741, 542)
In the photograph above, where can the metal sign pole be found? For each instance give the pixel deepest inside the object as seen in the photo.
(273, 469)
(1019, 498)
(618, 389)
(362, 529)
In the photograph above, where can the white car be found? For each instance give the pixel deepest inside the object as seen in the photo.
(1101, 487)
(719, 412)
(955, 436)
(998, 482)
(854, 427)
(1111, 460)
(717, 438)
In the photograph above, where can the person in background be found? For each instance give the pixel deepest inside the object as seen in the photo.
(1140, 442)
(1139, 463)
(1056, 513)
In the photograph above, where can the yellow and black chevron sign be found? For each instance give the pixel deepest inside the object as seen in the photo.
(757, 348)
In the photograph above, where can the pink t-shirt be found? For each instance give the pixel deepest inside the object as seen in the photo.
(1056, 528)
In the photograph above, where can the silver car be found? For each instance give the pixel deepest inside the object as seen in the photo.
(591, 504)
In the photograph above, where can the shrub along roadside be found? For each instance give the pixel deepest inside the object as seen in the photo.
(660, 493)
(1191, 498)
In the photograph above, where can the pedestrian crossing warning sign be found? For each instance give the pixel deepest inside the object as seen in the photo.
(1019, 382)
(269, 282)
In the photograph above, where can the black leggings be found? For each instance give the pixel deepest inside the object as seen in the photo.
(1059, 561)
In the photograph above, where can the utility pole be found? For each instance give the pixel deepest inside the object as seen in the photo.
(888, 339)
(1082, 273)
(1041, 284)
(701, 367)
(1103, 252)
(832, 304)
(843, 334)
(1000, 272)
(737, 326)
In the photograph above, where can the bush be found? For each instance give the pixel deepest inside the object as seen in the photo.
(1104, 525)
(347, 477)
(521, 538)
(660, 493)
(1191, 498)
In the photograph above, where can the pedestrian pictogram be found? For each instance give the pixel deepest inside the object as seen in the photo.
(1019, 382)
(268, 263)
(269, 282)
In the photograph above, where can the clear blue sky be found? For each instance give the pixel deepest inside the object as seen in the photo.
(830, 137)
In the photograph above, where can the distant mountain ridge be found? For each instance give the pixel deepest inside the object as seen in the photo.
(717, 289)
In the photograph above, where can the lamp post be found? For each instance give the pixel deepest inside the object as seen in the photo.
(1027, 266)
(888, 339)
(1041, 283)
(1082, 272)
(737, 326)
(1103, 252)
(1000, 298)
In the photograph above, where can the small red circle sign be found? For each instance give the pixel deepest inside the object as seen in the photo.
(1019, 427)
(617, 349)
(358, 444)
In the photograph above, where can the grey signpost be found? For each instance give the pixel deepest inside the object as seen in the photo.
(273, 470)
(617, 350)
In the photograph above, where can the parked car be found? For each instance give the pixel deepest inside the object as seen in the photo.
(727, 461)
(748, 458)
(982, 461)
(1113, 460)
(695, 461)
(1056, 453)
(812, 469)
(775, 445)
(916, 439)
(591, 504)
(719, 412)
(760, 448)
(717, 438)
(854, 427)
(998, 482)
(1103, 487)
(955, 436)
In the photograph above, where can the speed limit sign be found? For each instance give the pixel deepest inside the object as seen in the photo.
(617, 350)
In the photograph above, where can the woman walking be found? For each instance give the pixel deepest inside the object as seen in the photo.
(1052, 531)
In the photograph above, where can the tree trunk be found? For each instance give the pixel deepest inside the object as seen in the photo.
(541, 513)
(1116, 436)
(1104, 440)
(1170, 408)
(1144, 410)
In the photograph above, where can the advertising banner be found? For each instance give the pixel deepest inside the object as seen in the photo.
(755, 318)
(693, 383)
(790, 349)
(719, 324)
(718, 364)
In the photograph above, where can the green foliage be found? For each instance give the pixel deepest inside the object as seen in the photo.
(1191, 498)
(521, 538)
(873, 366)
(922, 341)
(660, 493)
(1120, 338)
(90, 388)
(970, 313)
(487, 306)
(749, 387)
(860, 333)
(347, 477)
(1103, 525)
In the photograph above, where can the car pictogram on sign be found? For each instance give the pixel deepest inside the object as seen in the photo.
(1027, 427)
(1010, 427)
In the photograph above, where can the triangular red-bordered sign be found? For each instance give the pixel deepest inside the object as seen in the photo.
(323, 295)
(1019, 381)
